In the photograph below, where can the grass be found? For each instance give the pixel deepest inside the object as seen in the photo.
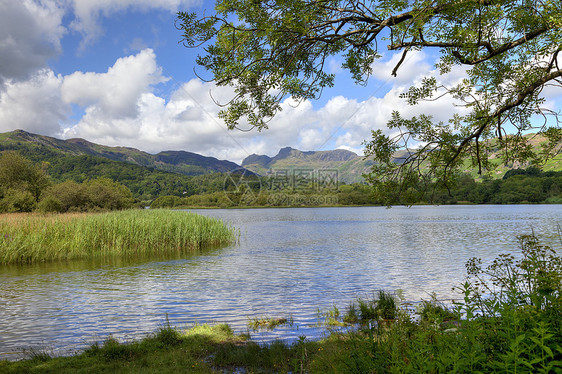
(30, 238)
(268, 323)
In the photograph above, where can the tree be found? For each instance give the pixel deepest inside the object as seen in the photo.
(21, 182)
(269, 50)
(92, 195)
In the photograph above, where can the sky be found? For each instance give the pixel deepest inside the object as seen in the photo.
(115, 73)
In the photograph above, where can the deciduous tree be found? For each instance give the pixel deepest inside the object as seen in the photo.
(20, 177)
(269, 50)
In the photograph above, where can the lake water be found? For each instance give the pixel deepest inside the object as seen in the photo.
(288, 263)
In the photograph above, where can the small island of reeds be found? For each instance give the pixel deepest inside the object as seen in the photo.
(31, 238)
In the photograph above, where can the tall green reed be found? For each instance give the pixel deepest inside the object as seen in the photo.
(32, 238)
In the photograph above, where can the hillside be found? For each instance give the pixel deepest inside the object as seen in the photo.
(183, 173)
(349, 165)
(36, 147)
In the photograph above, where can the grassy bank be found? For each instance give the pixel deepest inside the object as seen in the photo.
(516, 328)
(29, 238)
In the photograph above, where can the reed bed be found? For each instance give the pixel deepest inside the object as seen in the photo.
(29, 238)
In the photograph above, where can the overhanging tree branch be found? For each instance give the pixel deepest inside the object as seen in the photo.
(509, 51)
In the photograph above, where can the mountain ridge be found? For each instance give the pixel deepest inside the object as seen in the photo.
(182, 162)
(350, 165)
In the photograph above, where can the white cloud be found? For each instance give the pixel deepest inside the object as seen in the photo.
(30, 34)
(122, 107)
(34, 105)
(414, 63)
(114, 94)
(334, 66)
(87, 12)
(31, 30)
(187, 121)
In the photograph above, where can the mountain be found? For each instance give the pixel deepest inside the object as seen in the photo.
(36, 147)
(349, 165)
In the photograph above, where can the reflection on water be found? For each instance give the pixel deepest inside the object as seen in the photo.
(289, 262)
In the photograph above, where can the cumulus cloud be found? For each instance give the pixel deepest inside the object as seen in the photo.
(410, 69)
(34, 105)
(30, 34)
(114, 94)
(88, 12)
(123, 106)
(31, 30)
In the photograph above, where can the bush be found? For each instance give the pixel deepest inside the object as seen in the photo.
(16, 200)
(50, 204)
(386, 307)
(95, 195)
(434, 311)
(166, 202)
(105, 194)
(534, 280)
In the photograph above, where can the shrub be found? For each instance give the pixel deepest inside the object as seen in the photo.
(100, 194)
(533, 280)
(166, 202)
(434, 311)
(50, 204)
(511, 322)
(19, 173)
(17, 200)
(385, 306)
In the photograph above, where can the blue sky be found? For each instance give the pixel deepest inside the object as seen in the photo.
(113, 72)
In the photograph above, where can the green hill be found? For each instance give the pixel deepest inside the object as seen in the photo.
(182, 174)
(147, 176)
(36, 147)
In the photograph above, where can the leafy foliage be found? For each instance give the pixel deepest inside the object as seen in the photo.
(534, 280)
(25, 187)
(97, 194)
(508, 320)
(21, 183)
(147, 176)
(269, 50)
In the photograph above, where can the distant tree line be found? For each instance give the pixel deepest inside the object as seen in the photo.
(146, 183)
(517, 186)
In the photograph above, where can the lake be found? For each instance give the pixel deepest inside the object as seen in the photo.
(288, 263)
